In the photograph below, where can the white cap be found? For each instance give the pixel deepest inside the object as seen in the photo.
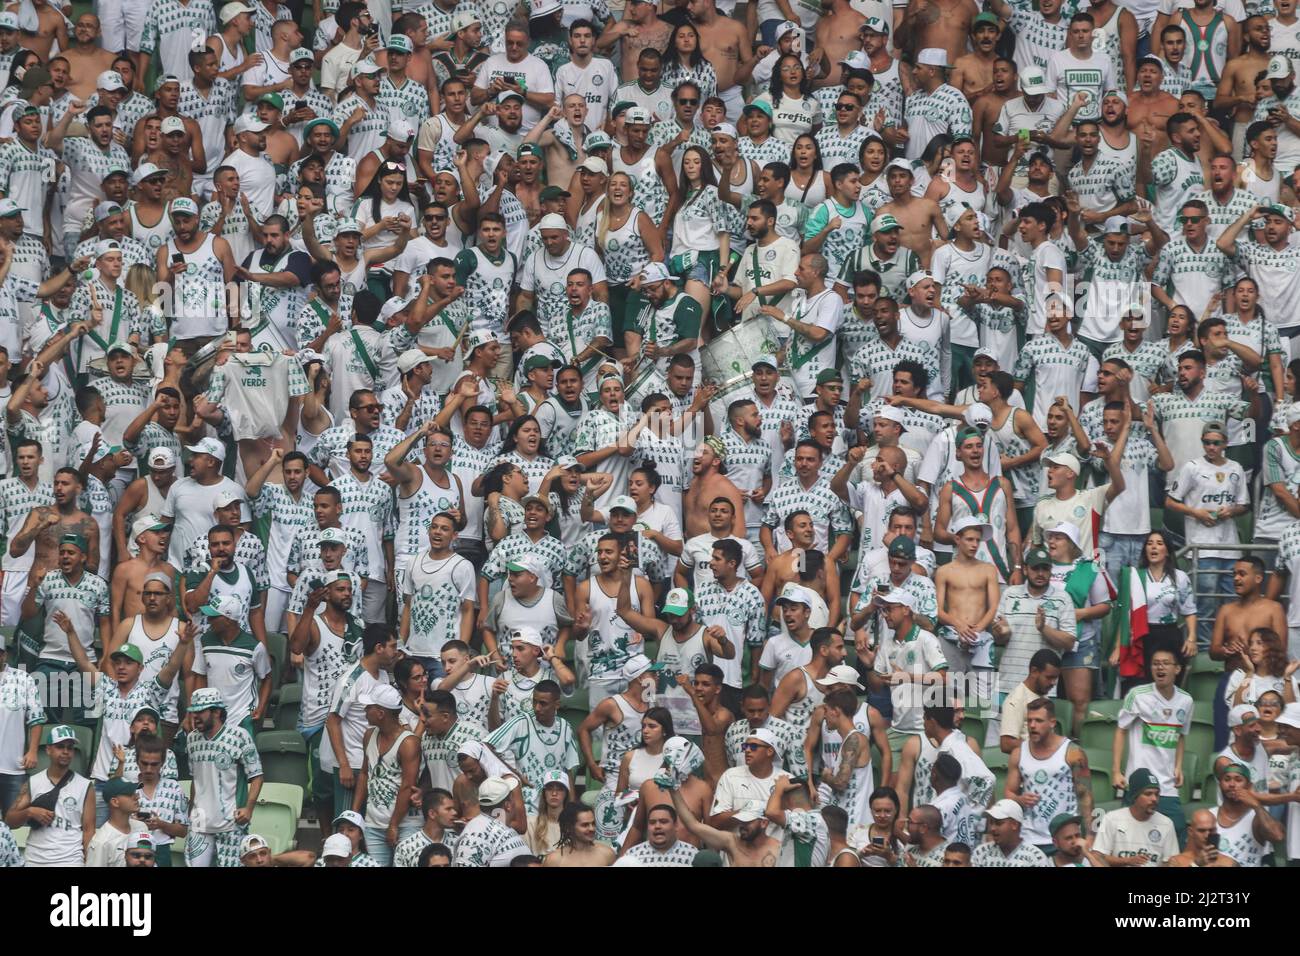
(172, 124)
(654, 272)
(841, 674)
(110, 80)
(146, 522)
(337, 844)
(253, 841)
(622, 503)
(232, 10)
(932, 56)
(146, 171)
(1115, 224)
(746, 815)
(725, 129)
(382, 695)
(899, 596)
(248, 123)
(463, 19)
(527, 635)
(594, 164)
(362, 67)
(890, 414)
(530, 562)
(477, 338)
(106, 209)
(1279, 67)
(1238, 714)
(979, 413)
(972, 521)
(208, 446)
(796, 594)
(1033, 81)
(553, 221)
(494, 790)
(161, 457)
(352, 817)
(1290, 716)
(399, 129)
(1065, 460)
(919, 276)
(412, 358)
(786, 27)
(226, 499)
(391, 307)
(635, 666)
(764, 736)
(1069, 530)
(857, 60)
(1006, 810)
(636, 114)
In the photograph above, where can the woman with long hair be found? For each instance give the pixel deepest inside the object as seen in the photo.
(662, 521)
(504, 488)
(700, 229)
(142, 281)
(683, 60)
(570, 491)
(936, 154)
(1180, 337)
(795, 111)
(626, 239)
(412, 680)
(1278, 425)
(872, 157)
(1171, 608)
(1264, 667)
(809, 183)
(385, 208)
(879, 846)
(543, 833)
(351, 825)
(524, 448)
(642, 762)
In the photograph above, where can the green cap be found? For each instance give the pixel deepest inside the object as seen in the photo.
(536, 362)
(274, 99)
(1240, 768)
(1139, 780)
(60, 734)
(553, 192)
(707, 858)
(321, 121)
(78, 540)
(146, 709)
(761, 105)
(903, 547)
(984, 17)
(529, 149)
(1037, 558)
(679, 602)
(117, 787)
(828, 375)
(130, 652)
(1061, 820)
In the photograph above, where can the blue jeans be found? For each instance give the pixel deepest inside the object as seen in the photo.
(378, 847)
(1219, 588)
(1121, 551)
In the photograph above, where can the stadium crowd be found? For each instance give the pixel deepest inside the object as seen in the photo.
(609, 432)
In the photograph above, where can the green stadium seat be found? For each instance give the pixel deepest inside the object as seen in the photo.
(1203, 710)
(1202, 663)
(1103, 709)
(1191, 776)
(1098, 732)
(1103, 789)
(277, 646)
(589, 797)
(275, 815)
(1204, 686)
(284, 757)
(287, 705)
(20, 836)
(996, 761)
(1064, 715)
(1200, 741)
(974, 728)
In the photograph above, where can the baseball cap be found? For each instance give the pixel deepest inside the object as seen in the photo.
(1290, 715)
(763, 360)
(972, 521)
(985, 352)
(509, 95)
(118, 787)
(253, 841)
(146, 522)
(182, 206)
(1139, 780)
(841, 674)
(106, 209)
(899, 596)
(919, 276)
(391, 307)
(538, 361)
(228, 13)
(541, 8)
(1117, 94)
(174, 124)
(568, 462)
(346, 225)
(337, 845)
(224, 605)
(1115, 224)
(932, 56)
(786, 27)
(463, 19)
(902, 547)
(399, 43)
(764, 736)
(553, 192)
(163, 579)
(594, 164)
(537, 499)
(331, 536)
(165, 80)
(890, 414)
(226, 499)
(1006, 810)
(271, 99)
(130, 652)
(639, 664)
(1033, 81)
(795, 594)
(553, 221)
(494, 790)
(302, 53)
(382, 695)
(140, 840)
(639, 115)
(205, 698)
(1279, 67)
(366, 66)
(725, 129)
(985, 17)
(350, 816)
(477, 338)
(902, 164)
(763, 106)
(886, 222)
(399, 130)
(146, 171)
(1037, 558)
(110, 80)
(746, 815)
(597, 139)
(1064, 459)
(1156, 61)
(61, 733)
(1242, 714)
(654, 272)
(248, 123)
(1063, 820)
(103, 248)
(679, 602)
(527, 635)
(1067, 529)
(874, 25)
(1280, 209)
(623, 503)
(531, 563)
(412, 358)
(828, 375)
(118, 345)
(76, 540)
(208, 446)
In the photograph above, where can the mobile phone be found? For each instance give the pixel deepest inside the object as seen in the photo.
(1213, 840)
(883, 589)
(178, 258)
(1023, 134)
(878, 841)
(300, 104)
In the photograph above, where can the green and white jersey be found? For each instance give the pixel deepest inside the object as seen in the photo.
(213, 112)
(842, 243)
(1103, 185)
(807, 839)
(679, 854)
(487, 283)
(1025, 854)
(486, 841)
(1055, 369)
(573, 333)
(171, 29)
(435, 589)
(440, 752)
(1147, 361)
(302, 589)
(1277, 273)
(771, 150)
(249, 552)
(16, 502)
(516, 545)
(410, 100)
(367, 133)
(288, 516)
(384, 781)
(1175, 178)
(20, 709)
(855, 333)
(928, 860)
(1281, 465)
(26, 176)
(667, 131)
(407, 853)
(219, 765)
(1068, 75)
(1051, 779)
(678, 318)
(15, 289)
(876, 361)
(134, 252)
(1036, 38)
(927, 115)
(116, 710)
(235, 669)
(1155, 724)
(702, 74)
(1288, 143)
(536, 750)
(368, 507)
(87, 166)
(954, 268)
(340, 178)
(1222, 215)
(1154, 838)
(789, 740)
(30, 258)
(917, 652)
(582, 559)
(123, 402)
(838, 147)
(893, 271)
(830, 516)
(304, 552)
(55, 429)
(331, 450)
(869, 577)
(741, 613)
(131, 769)
(121, 318)
(1020, 608)
(168, 801)
(1260, 335)
(84, 603)
(323, 667)
(1181, 420)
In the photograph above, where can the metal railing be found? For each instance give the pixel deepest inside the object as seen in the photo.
(1190, 554)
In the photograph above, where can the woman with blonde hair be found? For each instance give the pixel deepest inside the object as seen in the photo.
(543, 831)
(626, 239)
(142, 281)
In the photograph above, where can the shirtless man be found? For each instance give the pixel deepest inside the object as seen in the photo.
(151, 536)
(1203, 825)
(972, 73)
(837, 36)
(919, 216)
(1236, 90)
(179, 155)
(1149, 108)
(639, 29)
(726, 44)
(821, 576)
(708, 483)
(86, 58)
(47, 524)
(748, 844)
(705, 689)
(987, 107)
(578, 846)
(1249, 611)
(936, 23)
(694, 792)
(51, 24)
(967, 593)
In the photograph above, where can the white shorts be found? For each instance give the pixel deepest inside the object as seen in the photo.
(11, 597)
(735, 103)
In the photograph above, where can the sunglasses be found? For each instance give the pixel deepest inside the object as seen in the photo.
(694, 101)
(368, 408)
(845, 107)
(749, 746)
(1190, 219)
(1212, 441)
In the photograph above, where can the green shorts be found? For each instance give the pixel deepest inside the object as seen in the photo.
(321, 782)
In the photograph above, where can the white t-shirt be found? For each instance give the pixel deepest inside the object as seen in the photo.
(1201, 484)
(1154, 727)
(532, 73)
(596, 84)
(1121, 835)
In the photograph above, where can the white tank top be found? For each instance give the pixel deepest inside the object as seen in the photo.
(680, 658)
(643, 167)
(956, 196)
(1268, 190)
(1053, 781)
(1238, 841)
(60, 843)
(799, 713)
(152, 236)
(831, 741)
(306, 440)
(153, 500)
(625, 251)
(610, 640)
(200, 306)
(642, 767)
(156, 654)
(620, 738)
(383, 781)
(815, 195)
(855, 799)
(320, 672)
(922, 789)
(1127, 155)
(230, 57)
(416, 511)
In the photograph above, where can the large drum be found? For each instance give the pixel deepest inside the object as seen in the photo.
(728, 360)
(646, 380)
